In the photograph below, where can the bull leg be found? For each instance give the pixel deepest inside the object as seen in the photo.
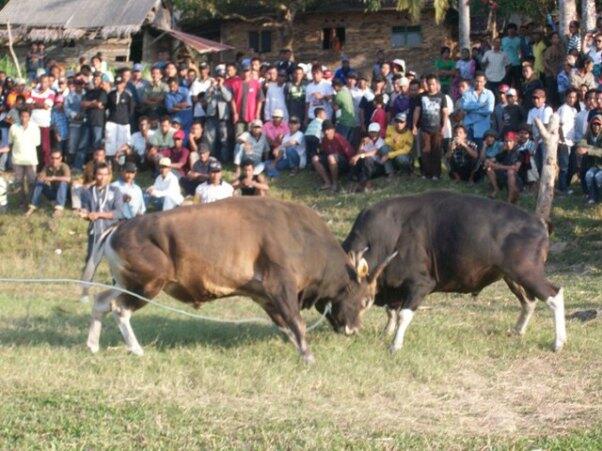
(415, 293)
(405, 318)
(392, 319)
(527, 306)
(279, 321)
(556, 303)
(102, 305)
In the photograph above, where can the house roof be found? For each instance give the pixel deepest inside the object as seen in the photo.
(52, 18)
(201, 45)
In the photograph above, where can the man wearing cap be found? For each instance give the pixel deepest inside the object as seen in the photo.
(215, 188)
(139, 83)
(133, 199)
(491, 146)
(398, 146)
(60, 124)
(120, 105)
(333, 157)
(512, 113)
(199, 172)
(42, 100)
(165, 193)
(218, 108)
(369, 161)
(247, 100)
(497, 122)
(290, 154)
(178, 103)
(503, 169)
(275, 129)
(252, 145)
(94, 104)
(275, 98)
(344, 109)
(178, 154)
(400, 103)
(591, 164)
(318, 93)
(544, 113)
(478, 103)
(342, 72)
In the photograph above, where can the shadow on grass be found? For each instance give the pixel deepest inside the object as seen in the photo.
(70, 330)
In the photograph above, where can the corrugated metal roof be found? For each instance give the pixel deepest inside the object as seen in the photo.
(201, 45)
(77, 13)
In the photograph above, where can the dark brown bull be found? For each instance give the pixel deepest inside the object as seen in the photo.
(280, 254)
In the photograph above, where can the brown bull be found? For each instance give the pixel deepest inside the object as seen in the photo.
(280, 254)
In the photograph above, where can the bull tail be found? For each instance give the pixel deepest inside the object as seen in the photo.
(94, 260)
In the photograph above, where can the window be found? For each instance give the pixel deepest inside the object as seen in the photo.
(260, 41)
(121, 58)
(406, 36)
(333, 38)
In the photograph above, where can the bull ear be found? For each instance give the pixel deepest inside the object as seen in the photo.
(362, 269)
(380, 268)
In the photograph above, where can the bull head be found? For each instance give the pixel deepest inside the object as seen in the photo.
(362, 269)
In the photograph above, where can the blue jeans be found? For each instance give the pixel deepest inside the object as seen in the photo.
(78, 144)
(55, 191)
(593, 181)
(291, 161)
(564, 153)
(96, 136)
(156, 203)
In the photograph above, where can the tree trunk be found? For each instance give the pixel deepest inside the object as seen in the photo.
(464, 24)
(288, 20)
(545, 197)
(567, 11)
(588, 15)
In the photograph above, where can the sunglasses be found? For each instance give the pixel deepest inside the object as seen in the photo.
(537, 97)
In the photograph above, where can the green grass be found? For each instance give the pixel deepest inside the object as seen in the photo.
(460, 382)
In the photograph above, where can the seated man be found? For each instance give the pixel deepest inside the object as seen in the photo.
(178, 154)
(526, 149)
(503, 170)
(250, 184)
(398, 146)
(275, 129)
(165, 193)
(199, 172)
(464, 160)
(215, 188)
(87, 179)
(369, 161)
(290, 154)
(591, 159)
(53, 183)
(334, 154)
(133, 199)
(162, 138)
(491, 145)
(252, 145)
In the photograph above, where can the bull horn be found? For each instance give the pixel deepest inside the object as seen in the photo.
(380, 268)
(356, 257)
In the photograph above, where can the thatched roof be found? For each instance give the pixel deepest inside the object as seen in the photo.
(51, 20)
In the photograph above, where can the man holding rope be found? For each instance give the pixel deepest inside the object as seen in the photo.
(101, 205)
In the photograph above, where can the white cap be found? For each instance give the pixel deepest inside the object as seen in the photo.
(278, 113)
(400, 62)
(511, 92)
(403, 81)
(165, 161)
(374, 127)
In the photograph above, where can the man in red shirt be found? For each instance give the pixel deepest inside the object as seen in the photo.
(247, 99)
(178, 154)
(334, 154)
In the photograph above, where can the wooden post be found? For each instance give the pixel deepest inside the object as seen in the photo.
(12, 50)
(547, 178)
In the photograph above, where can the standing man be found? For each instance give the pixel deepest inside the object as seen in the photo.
(153, 99)
(247, 100)
(344, 110)
(219, 99)
(94, 104)
(78, 138)
(121, 111)
(178, 104)
(430, 115)
(318, 94)
(42, 101)
(511, 45)
(495, 63)
(294, 93)
(567, 114)
(24, 138)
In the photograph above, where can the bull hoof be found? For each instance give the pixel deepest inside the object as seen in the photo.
(84, 300)
(393, 349)
(514, 333)
(558, 346)
(93, 347)
(136, 351)
(309, 358)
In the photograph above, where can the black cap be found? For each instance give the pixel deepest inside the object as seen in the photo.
(378, 78)
(215, 166)
(353, 74)
(130, 167)
(294, 120)
(327, 125)
(203, 65)
(119, 79)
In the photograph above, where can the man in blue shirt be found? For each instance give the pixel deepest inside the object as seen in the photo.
(178, 104)
(511, 46)
(478, 103)
(133, 199)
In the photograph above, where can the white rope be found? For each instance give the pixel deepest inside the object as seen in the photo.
(155, 303)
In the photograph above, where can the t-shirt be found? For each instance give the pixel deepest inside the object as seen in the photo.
(567, 115)
(441, 64)
(496, 65)
(544, 114)
(24, 143)
(511, 47)
(41, 116)
(207, 192)
(512, 118)
(430, 112)
(508, 158)
(345, 114)
(61, 171)
(323, 87)
(96, 116)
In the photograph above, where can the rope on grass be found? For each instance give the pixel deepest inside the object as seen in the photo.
(255, 320)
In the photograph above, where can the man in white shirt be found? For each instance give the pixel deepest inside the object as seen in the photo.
(318, 93)
(165, 194)
(495, 62)
(567, 114)
(581, 121)
(544, 113)
(275, 99)
(215, 188)
(133, 199)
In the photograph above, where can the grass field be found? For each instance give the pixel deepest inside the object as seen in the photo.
(459, 382)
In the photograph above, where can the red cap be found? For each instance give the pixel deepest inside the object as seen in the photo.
(179, 135)
(511, 136)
